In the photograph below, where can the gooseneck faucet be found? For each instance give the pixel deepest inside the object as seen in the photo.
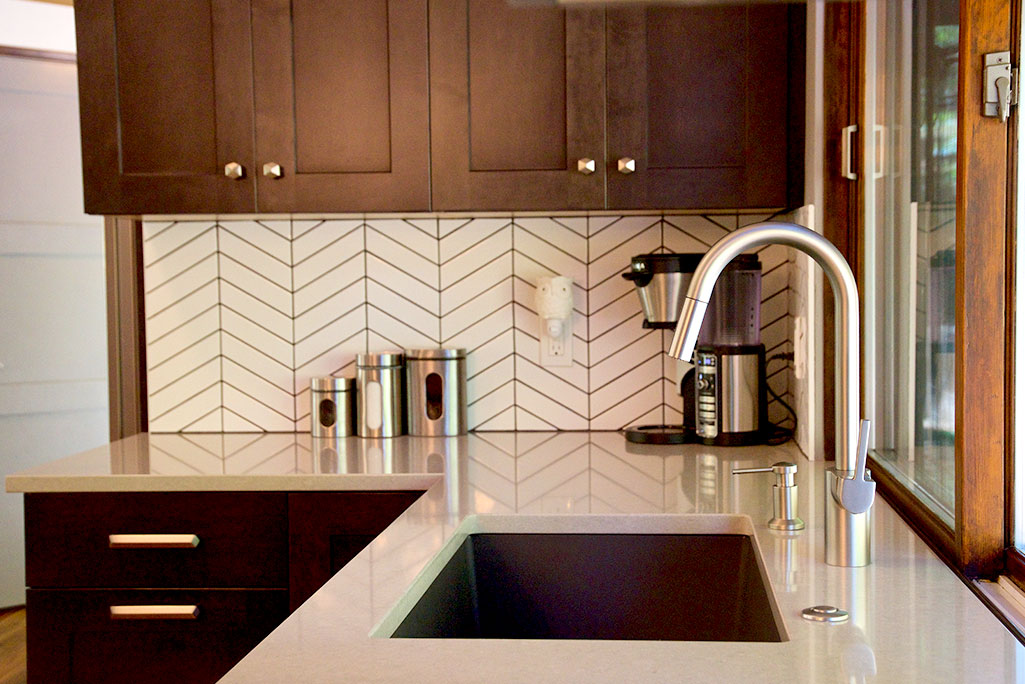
(849, 491)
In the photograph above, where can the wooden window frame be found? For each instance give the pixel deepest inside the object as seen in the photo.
(978, 545)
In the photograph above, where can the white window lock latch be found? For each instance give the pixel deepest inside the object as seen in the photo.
(1001, 85)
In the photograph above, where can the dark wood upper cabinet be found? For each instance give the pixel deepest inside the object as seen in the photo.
(698, 106)
(165, 98)
(332, 95)
(345, 106)
(341, 105)
(699, 98)
(517, 98)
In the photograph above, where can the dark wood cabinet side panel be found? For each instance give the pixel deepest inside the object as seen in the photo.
(342, 97)
(517, 87)
(97, 105)
(71, 638)
(348, 124)
(243, 539)
(327, 529)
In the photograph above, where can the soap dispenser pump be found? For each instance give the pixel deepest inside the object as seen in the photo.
(784, 495)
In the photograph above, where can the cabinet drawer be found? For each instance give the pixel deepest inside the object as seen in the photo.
(242, 539)
(73, 638)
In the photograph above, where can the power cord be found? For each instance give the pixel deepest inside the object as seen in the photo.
(780, 434)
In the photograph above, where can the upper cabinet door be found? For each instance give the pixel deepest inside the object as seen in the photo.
(698, 99)
(166, 103)
(341, 105)
(517, 97)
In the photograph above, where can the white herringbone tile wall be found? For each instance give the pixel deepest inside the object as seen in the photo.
(240, 314)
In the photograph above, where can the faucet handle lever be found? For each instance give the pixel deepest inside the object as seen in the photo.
(856, 493)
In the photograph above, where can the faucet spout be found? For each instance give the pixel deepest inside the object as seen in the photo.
(853, 545)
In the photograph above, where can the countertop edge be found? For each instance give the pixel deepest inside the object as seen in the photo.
(40, 484)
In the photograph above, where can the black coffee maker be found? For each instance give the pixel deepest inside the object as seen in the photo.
(724, 395)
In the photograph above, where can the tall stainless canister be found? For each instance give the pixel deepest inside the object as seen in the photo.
(436, 391)
(332, 409)
(379, 380)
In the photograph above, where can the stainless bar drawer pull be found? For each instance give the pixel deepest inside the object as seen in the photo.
(153, 541)
(154, 612)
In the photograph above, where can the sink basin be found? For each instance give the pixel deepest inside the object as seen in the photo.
(685, 578)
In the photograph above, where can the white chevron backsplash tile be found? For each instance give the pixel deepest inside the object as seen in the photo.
(256, 325)
(403, 303)
(241, 314)
(549, 398)
(329, 300)
(182, 326)
(625, 359)
(476, 313)
(696, 233)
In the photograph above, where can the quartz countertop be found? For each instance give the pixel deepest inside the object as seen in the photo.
(911, 620)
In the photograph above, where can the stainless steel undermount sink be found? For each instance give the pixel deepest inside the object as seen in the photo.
(653, 577)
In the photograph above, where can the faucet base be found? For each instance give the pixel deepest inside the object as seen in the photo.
(848, 535)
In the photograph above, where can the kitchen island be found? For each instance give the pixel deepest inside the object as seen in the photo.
(911, 619)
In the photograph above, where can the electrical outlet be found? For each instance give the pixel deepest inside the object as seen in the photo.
(556, 343)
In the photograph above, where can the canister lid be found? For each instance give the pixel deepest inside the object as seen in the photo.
(332, 384)
(379, 359)
(423, 354)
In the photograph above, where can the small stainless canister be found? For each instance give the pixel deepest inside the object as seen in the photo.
(436, 388)
(332, 409)
(379, 380)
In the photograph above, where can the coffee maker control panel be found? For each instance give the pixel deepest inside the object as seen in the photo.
(706, 390)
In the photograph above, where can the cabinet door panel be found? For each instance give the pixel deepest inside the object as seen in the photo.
(342, 104)
(165, 101)
(698, 96)
(517, 124)
(516, 100)
(328, 529)
(72, 638)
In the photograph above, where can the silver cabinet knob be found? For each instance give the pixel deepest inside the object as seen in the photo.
(627, 165)
(272, 170)
(586, 166)
(234, 170)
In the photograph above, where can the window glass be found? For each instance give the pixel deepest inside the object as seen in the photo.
(910, 173)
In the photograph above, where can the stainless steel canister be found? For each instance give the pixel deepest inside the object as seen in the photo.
(379, 380)
(436, 387)
(332, 407)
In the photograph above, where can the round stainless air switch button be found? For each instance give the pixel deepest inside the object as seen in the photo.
(825, 614)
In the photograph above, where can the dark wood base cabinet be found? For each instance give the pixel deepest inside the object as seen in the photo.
(72, 636)
(179, 586)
